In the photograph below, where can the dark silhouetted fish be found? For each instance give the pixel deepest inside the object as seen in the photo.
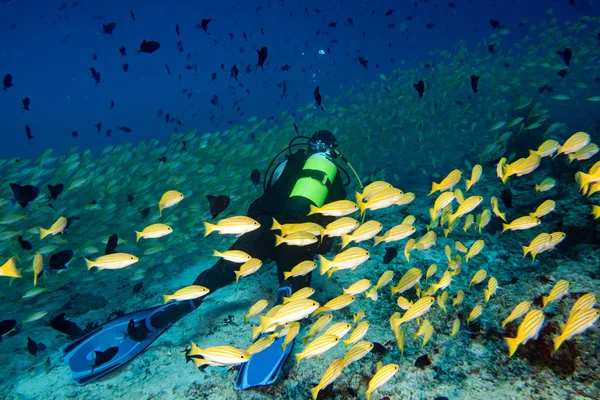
(28, 133)
(109, 28)
(430, 26)
(149, 46)
(26, 102)
(262, 57)
(7, 326)
(95, 75)
(234, 72)
(566, 55)
(162, 159)
(423, 361)
(125, 129)
(138, 286)
(102, 357)
(112, 105)
(213, 76)
(283, 89)
(296, 129)
(168, 69)
(145, 212)
(74, 133)
(389, 12)
(130, 198)
(363, 62)
(494, 23)
(125, 67)
(61, 259)
(474, 82)
(255, 177)
(123, 51)
(507, 197)
(350, 21)
(95, 57)
(24, 194)
(99, 126)
(491, 47)
(177, 29)
(132, 15)
(390, 254)
(111, 244)
(218, 204)
(33, 347)
(562, 73)
(204, 25)
(25, 245)
(65, 326)
(318, 98)
(55, 190)
(420, 88)
(286, 67)
(7, 82)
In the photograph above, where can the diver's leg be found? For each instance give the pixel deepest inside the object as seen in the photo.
(258, 244)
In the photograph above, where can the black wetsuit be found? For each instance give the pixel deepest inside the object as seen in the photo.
(261, 242)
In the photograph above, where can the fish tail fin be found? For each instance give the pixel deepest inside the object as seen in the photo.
(217, 253)
(138, 235)
(503, 216)
(330, 272)
(505, 322)
(278, 240)
(265, 323)
(434, 188)
(276, 226)
(512, 344)
(505, 227)
(44, 233)
(451, 218)
(166, 298)
(208, 228)
(359, 198)
(287, 275)
(557, 342)
(298, 358)
(486, 295)
(160, 208)
(378, 239)
(525, 251)
(346, 342)
(545, 301)
(305, 339)
(10, 269)
(313, 210)
(256, 331)
(246, 317)
(88, 263)
(325, 264)
(237, 276)
(533, 254)
(346, 239)
(468, 185)
(315, 392)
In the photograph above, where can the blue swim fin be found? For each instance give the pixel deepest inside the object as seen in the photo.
(131, 334)
(264, 368)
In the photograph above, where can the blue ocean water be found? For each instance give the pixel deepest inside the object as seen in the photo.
(178, 119)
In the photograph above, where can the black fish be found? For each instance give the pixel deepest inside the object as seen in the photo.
(65, 326)
(95, 57)
(25, 245)
(163, 159)
(55, 190)
(99, 126)
(102, 357)
(125, 129)
(177, 29)
(390, 254)
(332, 24)
(204, 25)
(451, 5)
(111, 244)
(28, 133)
(350, 21)
(389, 12)
(7, 326)
(74, 133)
(430, 26)
(213, 76)
(506, 197)
(562, 73)
(286, 67)
(95, 75)
(283, 89)
(7, 82)
(494, 23)
(419, 87)
(132, 15)
(218, 204)
(130, 198)
(423, 361)
(234, 72)
(33, 347)
(363, 62)
(149, 46)
(318, 98)
(24, 194)
(262, 57)
(474, 81)
(296, 129)
(491, 48)
(566, 55)
(145, 212)
(61, 259)
(112, 105)
(168, 69)
(26, 101)
(137, 333)
(125, 67)
(123, 51)
(255, 177)
(138, 286)
(109, 28)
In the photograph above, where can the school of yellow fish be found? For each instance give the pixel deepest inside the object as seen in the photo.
(103, 179)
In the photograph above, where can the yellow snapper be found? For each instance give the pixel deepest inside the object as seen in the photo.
(365, 232)
(260, 344)
(286, 229)
(475, 313)
(338, 208)
(548, 148)
(317, 347)
(443, 283)
(426, 241)
(466, 207)
(38, 266)
(475, 249)
(576, 142)
(447, 183)
(430, 271)
(441, 300)
(358, 333)
(233, 225)
(360, 314)
(291, 334)
(398, 232)
(153, 231)
(358, 351)
(537, 245)
(169, 199)
(403, 303)
(522, 223)
(338, 329)
(478, 277)
(301, 269)
(585, 153)
(294, 310)
(379, 200)
(517, 312)
(543, 209)
(187, 293)
(341, 227)
(348, 259)
(296, 239)
(418, 309)
(112, 261)
(337, 303)
(407, 198)
(496, 210)
(558, 291)
(358, 287)
(383, 374)
(475, 176)
(331, 373)
(528, 329)
(303, 293)
(586, 301)
(256, 309)
(484, 219)
(491, 289)
(235, 256)
(248, 268)
(455, 327)
(408, 280)
(56, 228)
(460, 296)
(440, 203)
(545, 185)
(371, 189)
(577, 324)
(318, 326)
(226, 355)
(410, 245)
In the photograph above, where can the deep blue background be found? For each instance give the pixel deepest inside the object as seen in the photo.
(49, 52)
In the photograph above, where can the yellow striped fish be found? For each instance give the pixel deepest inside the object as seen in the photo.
(426, 241)
(291, 334)
(558, 291)
(548, 148)
(383, 374)
(586, 301)
(153, 231)
(187, 293)
(576, 142)
(475, 176)
(318, 326)
(317, 347)
(418, 309)
(408, 280)
(233, 226)
(478, 277)
(379, 200)
(475, 313)
(358, 287)
(338, 208)
(303, 293)
(365, 232)
(309, 227)
(496, 210)
(537, 245)
(226, 355)
(410, 245)
(430, 271)
(460, 296)
(358, 333)
(517, 312)
(529, 329)
(293, 311)
(543, 209)
(358, 351)
(169, 199)
(521, 223)
(38, 267)
(338, 329)
(373, 188)
(112, 261)
(333, 371)
(455, 327)
(398, 232)
(235, 256)
(248, 268)
(336, 303)
(348, 259)
(447, 183)
(300, 269)
(466, 207)
(491, 289)
(340, 227)
(56, 228)
(475, 249)
(577, 324)
(256, 309)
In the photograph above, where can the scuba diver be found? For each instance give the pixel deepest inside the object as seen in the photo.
(306, 177)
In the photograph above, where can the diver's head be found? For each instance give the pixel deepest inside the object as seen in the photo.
(322, 141)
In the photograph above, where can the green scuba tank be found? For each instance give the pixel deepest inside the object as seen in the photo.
(318, 173)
